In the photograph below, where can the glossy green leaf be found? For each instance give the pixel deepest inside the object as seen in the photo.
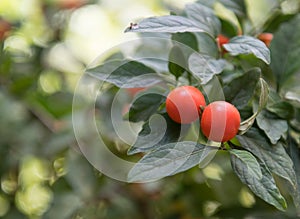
(158, 131)
(278, 106)
(291, 90)
(237, 6)
(58, 104)
(186, 38)
(205, 17)
(248, 45)
(260, 12)
(274, 156)
(263, 100)
(211, 92)
(285, 50)
(177, 62)
(167, 24)
(167, 160)
(250, 163)
(115, 56)
(205, 67)
(273, 126)
(264, 94)
(295, 191)
(265, 188)
(240, 90)
(125, 74)
(227, 15)
(207, 45)
(145, 105)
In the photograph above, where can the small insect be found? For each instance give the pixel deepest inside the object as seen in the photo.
(133, 26)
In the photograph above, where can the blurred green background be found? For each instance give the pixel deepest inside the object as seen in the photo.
(47, 45)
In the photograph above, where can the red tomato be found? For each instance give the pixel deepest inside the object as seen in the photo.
(183, 104)
(266, 38)
(220, 121)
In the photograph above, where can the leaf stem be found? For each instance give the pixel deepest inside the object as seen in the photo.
(223, 147)
(189, 77)
(234, 146)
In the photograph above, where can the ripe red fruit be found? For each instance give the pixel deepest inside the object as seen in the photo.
(266, 38)
(183, 104)
(220, 121)
(221, 39)
(5, 27)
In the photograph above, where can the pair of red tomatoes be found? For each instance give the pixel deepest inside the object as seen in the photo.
(220, 120)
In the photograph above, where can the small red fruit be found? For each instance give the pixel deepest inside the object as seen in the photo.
(220, 121)
(183, 104)
(266, 38)
(221, 40)
(5, 27)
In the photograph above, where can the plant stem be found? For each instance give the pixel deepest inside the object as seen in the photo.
(234, 146)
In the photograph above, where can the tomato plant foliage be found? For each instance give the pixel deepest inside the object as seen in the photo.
(254, 78)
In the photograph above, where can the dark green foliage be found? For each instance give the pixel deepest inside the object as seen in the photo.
(59, 139)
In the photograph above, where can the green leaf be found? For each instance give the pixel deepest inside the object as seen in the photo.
(248, 45)
(58, 104)
(125, 74)
(205, 67)
(207, 45)
(177, 62)
(227, 15)
(168, 160)
(152, 50)
(274, 127)
(145, 105)
(167, 24)
(274, 156)
(237, 6)
(291, 90)
(294, 153)
(285, 50)
(158, 131)
(259, 12)
(186, 38)
(281, 108)
(264, 94)
(240, 90)
(228, 29)
(205, 17)
(115, 56)
(265, 188)
(250, 163)
(212, 90)
(263, 99)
